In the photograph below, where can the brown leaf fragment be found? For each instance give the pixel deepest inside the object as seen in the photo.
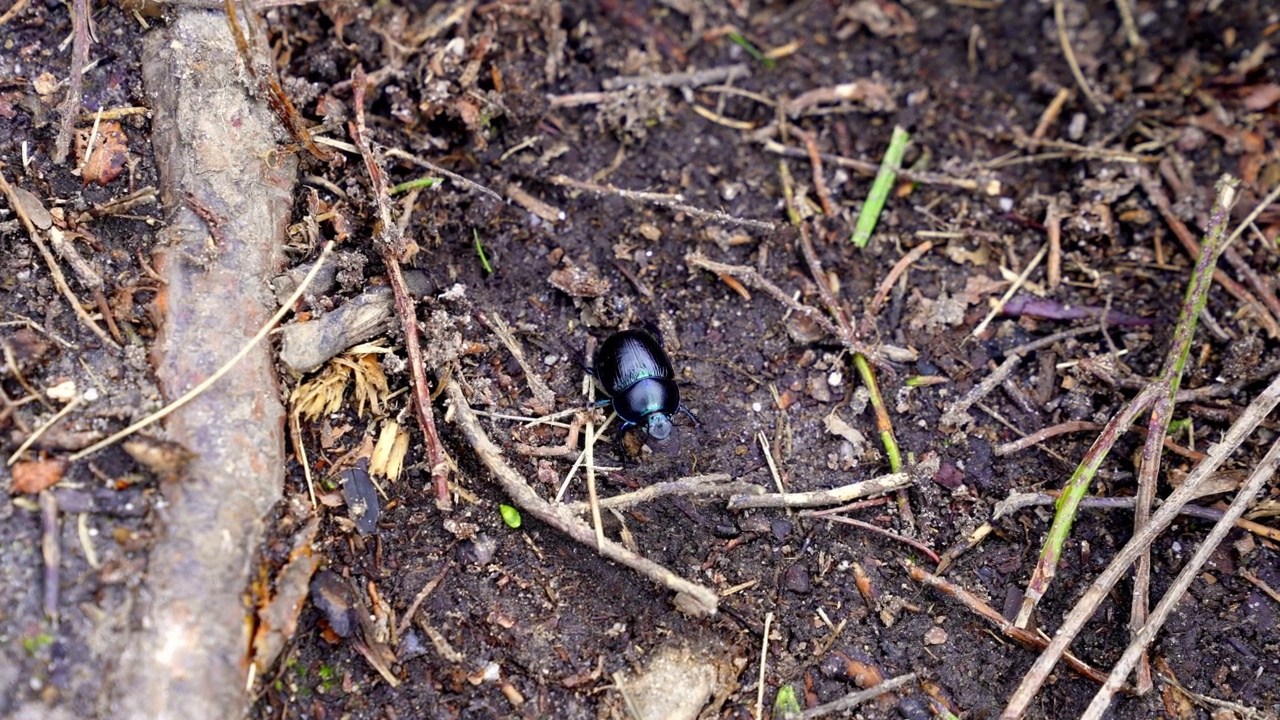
(579, 281)
(107, 158)
(1262, 97)
(163, 458)
(32, 476)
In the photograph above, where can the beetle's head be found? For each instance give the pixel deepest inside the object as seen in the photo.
(658, 426)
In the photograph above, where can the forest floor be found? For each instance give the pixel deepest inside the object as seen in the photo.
(697, 169)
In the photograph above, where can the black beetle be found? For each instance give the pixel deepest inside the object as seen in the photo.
(637, 375)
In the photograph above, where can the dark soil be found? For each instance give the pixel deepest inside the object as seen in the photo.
(479, 98)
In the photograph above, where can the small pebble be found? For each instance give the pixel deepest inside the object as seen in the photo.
(796, 579)
(781, 528)
(1006, 204)
(835, 378)
(550, 360)
(756, 407)
(935, 636)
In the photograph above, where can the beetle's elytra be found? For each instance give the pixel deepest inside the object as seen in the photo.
(637, 375)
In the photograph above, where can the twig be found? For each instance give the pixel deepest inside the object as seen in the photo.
(469, 184)
(50, 552)
(1041, 435)
(815, 162)
(542, 394)
(764, 665)
(1162, 410)
(1013, 288)
(12, 12)
(79, 57)
(59, 279)
(418, 599)
(191, 394)
(957, 414)
(692, 78)
(1142, 639)
(1252, 416)
(886, 285)
(1017, 501)
(853, 700)
(752, 278)
(1060, 23)
(887, 533)
(667, 200)
(1051, 113)
(269, 85)
(714, 485)
(391, 245)
(1130, 27)
(821, 498)
(1024, 637)
(703, 599)
(1053, 228)
(35, 435)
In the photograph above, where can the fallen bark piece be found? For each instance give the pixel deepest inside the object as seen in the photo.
(305, 346)
(187, 660)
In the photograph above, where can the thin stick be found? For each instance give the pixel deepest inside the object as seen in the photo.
(957, 414)
(714, 485)
(692, 78)
(1130, 27)
(426, 590)
(1053, 228)
(1250, 418)
(1026, 638)
(1015, 287)
(1017, 501)
(667, 200)
(697, 598)
(469, 184)
(822, 498)
(79, 57)
(593, 499)
(889, 534)
(1060, 23)
(59, 279)
(1160, 393)
(855, 699)
(191, 394)
(1142, 639)
(391, 244)
(1197, 295)
(886, 285)
(764, 665)
(35, 435)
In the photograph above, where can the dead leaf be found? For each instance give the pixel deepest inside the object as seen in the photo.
(108, 155)
(1262, 97)
(579, 282)
(32, 476)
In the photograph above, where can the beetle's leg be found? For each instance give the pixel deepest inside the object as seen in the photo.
(692, 417)
(619, 445)
(601, 403)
